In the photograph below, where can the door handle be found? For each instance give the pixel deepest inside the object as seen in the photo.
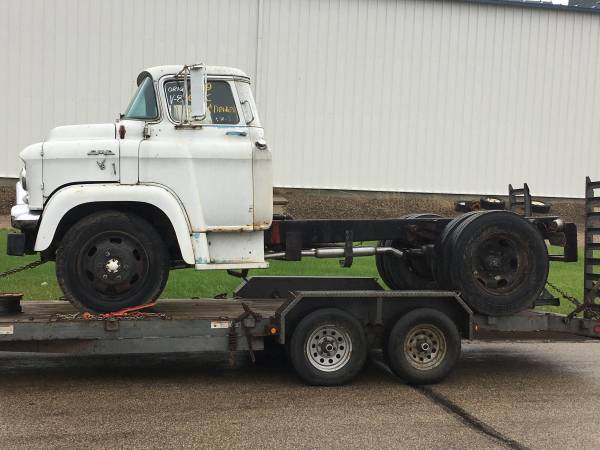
(100, 152)
(261, 144)
(236, 133)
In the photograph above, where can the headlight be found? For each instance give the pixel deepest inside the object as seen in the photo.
(23, 179)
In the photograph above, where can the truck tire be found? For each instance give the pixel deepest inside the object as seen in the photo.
(440, 269)
(407, 273)
(497, 260)
(328, 347)
(423, 346)
(111, 260)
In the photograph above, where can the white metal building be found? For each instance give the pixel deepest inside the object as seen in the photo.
(386, 95)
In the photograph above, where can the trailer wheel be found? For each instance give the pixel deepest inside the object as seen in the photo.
(111, 260)
(410, 272)
(328, 347)
(423, 346)
(497, 260)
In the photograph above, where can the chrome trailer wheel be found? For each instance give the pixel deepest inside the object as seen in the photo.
(328, 347)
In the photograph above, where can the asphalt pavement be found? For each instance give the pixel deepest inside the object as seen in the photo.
(502, 395)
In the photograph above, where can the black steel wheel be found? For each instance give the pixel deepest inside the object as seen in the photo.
(411, 272)
(111, 260)
(497, 260)
(423, 346)
(492, 203)
(328, 347)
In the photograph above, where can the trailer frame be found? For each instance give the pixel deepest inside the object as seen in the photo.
(264, 311)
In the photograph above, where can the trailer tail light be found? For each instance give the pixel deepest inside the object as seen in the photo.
(597, 329)
(122, 131)
(273, 331)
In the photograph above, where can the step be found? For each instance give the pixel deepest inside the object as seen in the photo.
(592, 261)
(592, 276)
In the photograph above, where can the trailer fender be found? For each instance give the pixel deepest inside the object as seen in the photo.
(375, 307)
(67, 198)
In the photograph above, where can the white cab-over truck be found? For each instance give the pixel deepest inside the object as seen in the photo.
(184, 179)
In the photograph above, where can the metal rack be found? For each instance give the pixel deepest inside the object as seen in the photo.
(592, 229)
(520, 197)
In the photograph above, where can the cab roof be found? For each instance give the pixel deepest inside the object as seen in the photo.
(173, 69)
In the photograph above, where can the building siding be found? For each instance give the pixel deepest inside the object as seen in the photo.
(408, 95)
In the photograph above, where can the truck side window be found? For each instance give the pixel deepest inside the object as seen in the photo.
(143, 104)
(245, 95)
(220, 102)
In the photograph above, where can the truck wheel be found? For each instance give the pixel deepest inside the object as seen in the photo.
(328, 347)
(423, 346)
(440, 269)
(498, 261)
(410, 272)
(111, 260)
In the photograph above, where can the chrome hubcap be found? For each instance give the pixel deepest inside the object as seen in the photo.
(328, 348)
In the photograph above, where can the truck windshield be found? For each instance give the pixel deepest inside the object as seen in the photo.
(143, 104)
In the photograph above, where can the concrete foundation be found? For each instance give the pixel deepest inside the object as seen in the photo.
(326, 204)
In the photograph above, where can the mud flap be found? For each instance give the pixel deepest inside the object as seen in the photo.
(15, 244)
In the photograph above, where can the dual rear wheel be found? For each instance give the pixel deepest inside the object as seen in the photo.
(497, 260)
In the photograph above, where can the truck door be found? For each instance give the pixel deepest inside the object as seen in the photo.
(262, 171)
(209, 167)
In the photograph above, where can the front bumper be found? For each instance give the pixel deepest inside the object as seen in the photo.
(26, 220)
(21, 217)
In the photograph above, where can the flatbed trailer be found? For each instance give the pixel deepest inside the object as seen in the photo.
(327, 325)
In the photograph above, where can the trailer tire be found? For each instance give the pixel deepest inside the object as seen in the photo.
(328, 347)
(423, 346)
(407, 273)
(111, 260)
(497, 260)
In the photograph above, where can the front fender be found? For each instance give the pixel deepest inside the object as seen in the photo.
(67, 198)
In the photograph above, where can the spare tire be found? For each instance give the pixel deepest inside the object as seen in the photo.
(496, 259)
(411, 272)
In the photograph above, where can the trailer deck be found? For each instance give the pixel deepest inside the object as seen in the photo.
(275, 310)
(170, 326)
(182, 325)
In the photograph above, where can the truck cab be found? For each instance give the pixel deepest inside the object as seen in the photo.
(186, 168)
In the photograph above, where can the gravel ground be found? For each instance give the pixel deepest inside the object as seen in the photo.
(502, 395)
